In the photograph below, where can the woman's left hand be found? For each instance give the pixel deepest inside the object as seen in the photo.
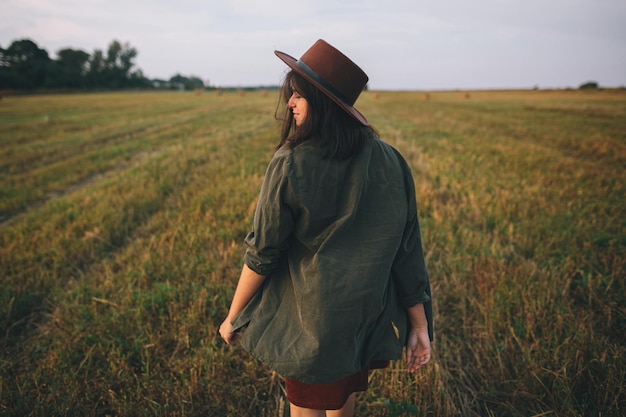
(227, 332)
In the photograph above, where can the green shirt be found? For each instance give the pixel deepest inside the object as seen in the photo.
(340, 244)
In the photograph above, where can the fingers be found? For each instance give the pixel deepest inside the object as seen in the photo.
(415, 361)
(231, 338)
(228, 334)
(417, 350)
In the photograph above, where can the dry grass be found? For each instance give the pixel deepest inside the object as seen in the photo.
(123, 218)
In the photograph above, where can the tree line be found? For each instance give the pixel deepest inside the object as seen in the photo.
(26, 66)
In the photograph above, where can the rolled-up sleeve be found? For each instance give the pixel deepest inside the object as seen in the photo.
(273, 219)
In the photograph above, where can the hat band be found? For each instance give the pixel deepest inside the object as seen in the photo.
(304, 67)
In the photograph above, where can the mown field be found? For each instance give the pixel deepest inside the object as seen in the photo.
(122, 218)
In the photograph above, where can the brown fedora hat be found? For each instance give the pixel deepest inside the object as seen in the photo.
(333, 73)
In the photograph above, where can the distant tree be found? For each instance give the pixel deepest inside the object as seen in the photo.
(195, 83)
(71, 68)
(74, 61)
(118, 64)
(96, 67)
(589, 85)
(23, 51)
(187, 83)
(138, 80)
(115, 70)
(3, 59)
(10, 79)
(27, 64)
(23, 65)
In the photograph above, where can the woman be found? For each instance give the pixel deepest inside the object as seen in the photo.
(334, 281)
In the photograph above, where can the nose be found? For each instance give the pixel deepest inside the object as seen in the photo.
(290, 103)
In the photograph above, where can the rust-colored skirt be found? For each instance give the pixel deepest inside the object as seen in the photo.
(330, 396)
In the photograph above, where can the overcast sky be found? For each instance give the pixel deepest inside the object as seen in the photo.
(400, 44)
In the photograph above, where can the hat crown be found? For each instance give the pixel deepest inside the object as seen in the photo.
(333, 73)
(336, 70)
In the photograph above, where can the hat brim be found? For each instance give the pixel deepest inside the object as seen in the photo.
(293, 64)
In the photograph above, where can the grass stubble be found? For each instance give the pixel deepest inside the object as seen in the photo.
(123, 216)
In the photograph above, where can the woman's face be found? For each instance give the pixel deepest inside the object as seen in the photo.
(299, 107)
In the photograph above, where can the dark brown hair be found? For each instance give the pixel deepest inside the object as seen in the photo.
(326, 124)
